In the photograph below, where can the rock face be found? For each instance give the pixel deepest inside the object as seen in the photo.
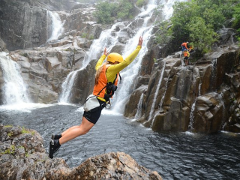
(45, 68)
(201, 97)
(22, 156)
(22, 24)
(83, 84)
(27, 24)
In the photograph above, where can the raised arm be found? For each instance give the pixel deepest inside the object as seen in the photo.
(118, 67)
(100, 61)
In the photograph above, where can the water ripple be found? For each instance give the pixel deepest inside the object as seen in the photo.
(173, 155)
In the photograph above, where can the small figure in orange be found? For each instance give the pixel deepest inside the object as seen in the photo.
(186, 49)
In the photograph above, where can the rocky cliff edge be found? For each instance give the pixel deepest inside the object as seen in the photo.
(22, 156)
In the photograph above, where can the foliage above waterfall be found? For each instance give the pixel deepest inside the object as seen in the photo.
(141, 3)
(108, 11)
(198, 21)
(236, 16)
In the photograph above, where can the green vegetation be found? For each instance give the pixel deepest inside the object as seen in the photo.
(10, 150)
(8, 126)
(25, 131)
(236, 23)
(27, 154)
(87, 36)
(198, 21)
(88, 1)
(108, 11)
(141, 3)
(10, 134)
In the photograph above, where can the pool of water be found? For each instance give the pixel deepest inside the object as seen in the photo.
(172, 155)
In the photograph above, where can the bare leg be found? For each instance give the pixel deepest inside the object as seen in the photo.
(69, 130)
(76, 131)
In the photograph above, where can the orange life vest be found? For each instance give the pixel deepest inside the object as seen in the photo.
(100, 88)
(186, 53)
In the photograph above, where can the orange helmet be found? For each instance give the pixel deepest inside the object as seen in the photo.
(114, 57)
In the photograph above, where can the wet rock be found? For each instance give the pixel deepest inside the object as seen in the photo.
(46, 65)
(227, 36)
(22, 156)
(198, 94)
(208, 113)
(26, 27)
(84, 83)
(133, 102)
(174, 119)
(114, 166)
(44, 70)
(2, 45)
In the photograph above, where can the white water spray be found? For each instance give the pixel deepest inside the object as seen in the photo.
(139, 108)
(130, 73)
(106, 39)
(56, 25)
(14, 89)
(66, 92)
(156, 92)
(190, 126)
(161, 102)
(109, 38)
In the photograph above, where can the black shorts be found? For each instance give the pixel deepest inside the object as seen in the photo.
(94, 114)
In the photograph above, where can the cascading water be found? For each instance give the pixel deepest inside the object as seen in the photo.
(14, 89)
(156, 93)
(109, 39)
(161, 102)
(66, 92)
(56, 25)
(139, 108)
(106, 39)
(190, 126)
(130, 73)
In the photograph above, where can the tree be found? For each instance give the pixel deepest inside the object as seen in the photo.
(198, 21)
(236, 16)
(107, 12)
(202, 34)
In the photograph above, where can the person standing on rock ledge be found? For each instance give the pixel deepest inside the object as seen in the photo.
(106, 79)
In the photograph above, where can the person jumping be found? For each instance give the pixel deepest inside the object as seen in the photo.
(106, 78)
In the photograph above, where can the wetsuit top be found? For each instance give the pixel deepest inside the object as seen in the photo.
(114, 69)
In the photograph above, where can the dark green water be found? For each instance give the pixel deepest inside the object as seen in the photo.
(172, 155)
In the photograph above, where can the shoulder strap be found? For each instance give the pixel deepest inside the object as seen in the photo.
(107, 84)
(102, 90)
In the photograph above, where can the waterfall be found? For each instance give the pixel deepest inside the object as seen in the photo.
(130, 73)
(56, 25)
(109, 38)
(161, 102)
(106, 39)
(66, 92)
(156, 92)
(190, 126)
(139, 108)
(14, 89)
